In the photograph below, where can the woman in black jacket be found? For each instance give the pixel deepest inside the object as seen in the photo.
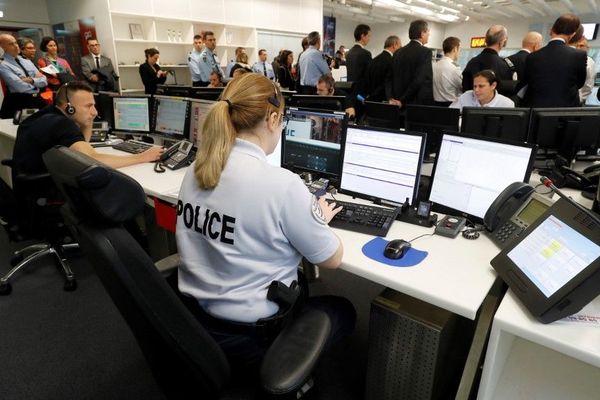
(284, 73)
(150, 71)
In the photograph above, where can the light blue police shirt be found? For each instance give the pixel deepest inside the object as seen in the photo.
(208, 63)
(259, 67)
(312, 66)
(252, 229)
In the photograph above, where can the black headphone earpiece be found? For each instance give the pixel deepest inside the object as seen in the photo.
(69, 108)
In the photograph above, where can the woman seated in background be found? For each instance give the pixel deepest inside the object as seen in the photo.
(484, 93)
(150, 71)
(64, 72)
(284, 73)
(241, 61)
(262, 237)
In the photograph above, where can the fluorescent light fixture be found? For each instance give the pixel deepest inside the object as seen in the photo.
(447, 17)
(1, 14)
(421, 10)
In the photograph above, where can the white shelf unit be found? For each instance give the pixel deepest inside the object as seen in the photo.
(173, 37)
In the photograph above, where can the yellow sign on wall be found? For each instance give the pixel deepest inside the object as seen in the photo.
(477, 42)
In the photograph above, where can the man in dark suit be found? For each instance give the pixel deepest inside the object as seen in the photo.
(97, 69)
(531, 43)
(358, 58)
(379, 68)
(411, 80)
(489, 58)
(555, 73)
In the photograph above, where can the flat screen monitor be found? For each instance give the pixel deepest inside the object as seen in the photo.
(382, 164)
(171, 116)
(502, 123)
(131, 114)
(198, 111)
(383, 115)
(205, 93)
(312, 141)
(433, 121)
(334, 103)
(104, 106)
(590, 31)
(470, 172)
(173, 90)
(554, 268)
(566, 130)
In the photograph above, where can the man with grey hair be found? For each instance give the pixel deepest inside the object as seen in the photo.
(495, 39)
(380, 67)
(312, 65)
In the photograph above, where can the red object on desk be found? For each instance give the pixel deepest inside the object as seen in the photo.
(166, 214)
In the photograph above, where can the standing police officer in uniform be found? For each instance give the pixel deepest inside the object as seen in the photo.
(208, 61)
(243, 224)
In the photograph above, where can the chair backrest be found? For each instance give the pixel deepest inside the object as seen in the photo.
(182, 355)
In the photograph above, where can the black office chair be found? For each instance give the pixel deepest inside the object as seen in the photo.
(183, 357)
(29, 212)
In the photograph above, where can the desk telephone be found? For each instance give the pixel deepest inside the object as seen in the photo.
(180, 155)
(517, 207)
(563, 176)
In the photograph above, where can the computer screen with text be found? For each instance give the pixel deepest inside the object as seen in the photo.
(131, 114)
(171, 116)
(382, 164)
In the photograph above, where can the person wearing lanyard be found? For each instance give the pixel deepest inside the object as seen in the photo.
(22, 79)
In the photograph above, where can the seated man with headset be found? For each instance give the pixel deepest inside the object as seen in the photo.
(68, 123)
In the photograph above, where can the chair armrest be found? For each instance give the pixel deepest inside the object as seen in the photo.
(32, 177)
(7, 162)
(291, 358)
(168, 263)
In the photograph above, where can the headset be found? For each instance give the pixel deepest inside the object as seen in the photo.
(69, 108)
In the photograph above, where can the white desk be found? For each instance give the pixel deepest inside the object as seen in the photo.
(456, 275)
(8, 134)
(529, 360)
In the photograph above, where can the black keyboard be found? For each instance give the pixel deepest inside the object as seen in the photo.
(371, 220)
(132, 146)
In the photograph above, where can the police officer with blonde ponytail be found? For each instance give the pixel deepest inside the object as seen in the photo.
(243, 224)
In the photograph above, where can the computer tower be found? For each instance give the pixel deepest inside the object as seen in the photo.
(416, 350)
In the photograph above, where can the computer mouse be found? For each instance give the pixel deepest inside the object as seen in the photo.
(396, 249)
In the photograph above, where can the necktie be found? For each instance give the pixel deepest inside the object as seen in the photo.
(215, 64)
(265, 68)
(97, 62)
(21, 65)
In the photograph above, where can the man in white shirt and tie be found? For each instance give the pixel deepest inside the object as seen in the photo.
(262, 66)
(98, 69)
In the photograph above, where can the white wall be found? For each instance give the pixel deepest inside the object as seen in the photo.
(29, 13)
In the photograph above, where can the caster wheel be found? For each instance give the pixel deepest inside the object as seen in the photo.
(14, 260)
(70, 285)
(5, 289)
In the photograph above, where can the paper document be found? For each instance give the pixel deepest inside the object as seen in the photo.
(589, 315)
(50, 69)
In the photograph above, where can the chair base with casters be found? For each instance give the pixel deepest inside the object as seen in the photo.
(28, 255)
(23, 218)
(183, 357)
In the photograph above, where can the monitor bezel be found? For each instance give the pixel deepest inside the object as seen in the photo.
(186, 125)
(317, 98)
(380, 200)
(294, 168)
(189, 122)
(116, 130)
(499, 111)
(453, 211)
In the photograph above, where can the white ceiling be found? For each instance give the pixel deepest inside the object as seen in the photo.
(445, 11)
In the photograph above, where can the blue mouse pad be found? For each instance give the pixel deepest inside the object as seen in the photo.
(374, 250)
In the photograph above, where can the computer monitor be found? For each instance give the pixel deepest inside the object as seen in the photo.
(432, 120)
(104, 106)
(470, 172)
(590, 31)
(173, 90)
(565, 130)
(312, 141)
(334, 103)
(383, 115)
(198, 111)
(382, 164)
(131, 114)
(205, 93)
(171, 116)
(502, 123)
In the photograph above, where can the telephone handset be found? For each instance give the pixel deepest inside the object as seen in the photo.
(517, 207)
(180, 155)
(563, 176)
